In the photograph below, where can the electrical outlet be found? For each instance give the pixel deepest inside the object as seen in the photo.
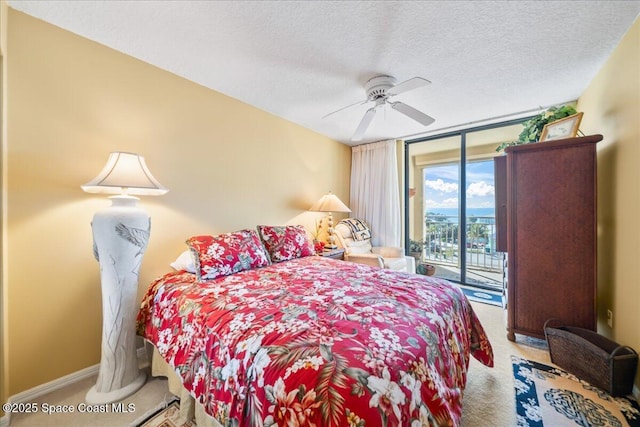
(610, 318)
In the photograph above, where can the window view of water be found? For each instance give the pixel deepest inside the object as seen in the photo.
(450, 212)
(442, 237)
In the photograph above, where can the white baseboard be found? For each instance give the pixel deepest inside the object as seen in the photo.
(39, 391)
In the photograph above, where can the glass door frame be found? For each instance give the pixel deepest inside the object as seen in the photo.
(462, 179)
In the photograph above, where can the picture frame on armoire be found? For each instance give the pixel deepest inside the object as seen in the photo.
(563, 128)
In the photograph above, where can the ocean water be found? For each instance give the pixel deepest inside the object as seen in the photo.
(453, 212)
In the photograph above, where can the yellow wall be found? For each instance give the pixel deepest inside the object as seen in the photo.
(611, 106)
(4, 386)
(71, 101)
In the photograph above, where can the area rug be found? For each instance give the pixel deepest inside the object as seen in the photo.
(166, 414)
(552, 397)
(482, 295)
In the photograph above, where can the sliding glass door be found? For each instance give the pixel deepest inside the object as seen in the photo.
(450, 208)
(434, 220)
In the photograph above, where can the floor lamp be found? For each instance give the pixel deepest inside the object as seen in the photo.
(120, 236)
(330, 203)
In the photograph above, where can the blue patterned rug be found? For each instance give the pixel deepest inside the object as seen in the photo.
(547, 396)
(481, 295)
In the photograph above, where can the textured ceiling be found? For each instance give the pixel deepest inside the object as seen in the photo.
(301, 60)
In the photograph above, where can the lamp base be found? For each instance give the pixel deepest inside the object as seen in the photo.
(95, 397)
(120, 235)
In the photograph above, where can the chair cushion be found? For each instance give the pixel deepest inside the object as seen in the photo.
(361, 247)
(396, 263)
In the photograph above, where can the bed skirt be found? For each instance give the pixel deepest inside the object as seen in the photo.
(189, 409)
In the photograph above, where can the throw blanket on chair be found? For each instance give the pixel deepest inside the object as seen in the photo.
(359, 229)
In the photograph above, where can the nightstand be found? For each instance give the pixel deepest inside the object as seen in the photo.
(333, 253)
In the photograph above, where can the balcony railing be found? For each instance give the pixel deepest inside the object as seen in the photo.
(442, 244)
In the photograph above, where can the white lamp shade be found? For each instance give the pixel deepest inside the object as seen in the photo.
(125, 173)
(329, 203)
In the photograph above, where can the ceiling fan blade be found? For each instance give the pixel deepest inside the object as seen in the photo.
(412, 113)
(344, 108)
(408, 85)
(364, 124)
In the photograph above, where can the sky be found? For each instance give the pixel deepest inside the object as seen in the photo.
(441, 186)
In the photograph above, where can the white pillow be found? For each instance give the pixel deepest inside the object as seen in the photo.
(184, 262)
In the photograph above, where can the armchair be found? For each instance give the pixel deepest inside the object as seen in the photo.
(354, 236)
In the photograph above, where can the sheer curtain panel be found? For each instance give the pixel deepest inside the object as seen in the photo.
(375, 196)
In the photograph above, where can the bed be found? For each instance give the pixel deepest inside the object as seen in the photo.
(312, 341)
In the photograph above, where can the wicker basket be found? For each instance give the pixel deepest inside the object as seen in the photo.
(593, 358)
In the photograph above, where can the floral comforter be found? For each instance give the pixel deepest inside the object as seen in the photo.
(317, 342)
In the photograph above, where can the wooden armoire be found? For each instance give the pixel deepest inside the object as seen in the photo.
(546, 215)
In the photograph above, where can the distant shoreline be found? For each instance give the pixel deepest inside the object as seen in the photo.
(453, 212)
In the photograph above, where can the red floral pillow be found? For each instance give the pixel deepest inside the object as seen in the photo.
(227, 253)
(286, 242)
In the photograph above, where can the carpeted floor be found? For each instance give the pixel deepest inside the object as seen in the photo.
(549, 396)
(148, 397)
(489, 398)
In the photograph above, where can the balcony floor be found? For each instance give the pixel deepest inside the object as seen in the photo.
(476, 277)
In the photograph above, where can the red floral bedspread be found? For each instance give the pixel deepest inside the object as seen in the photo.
(317, 342)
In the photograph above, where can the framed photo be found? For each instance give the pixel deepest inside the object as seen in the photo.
(563, 128)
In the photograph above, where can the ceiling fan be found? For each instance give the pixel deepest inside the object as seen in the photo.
(380, 89)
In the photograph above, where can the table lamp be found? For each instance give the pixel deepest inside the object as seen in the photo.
(120, 236)
(330, 203)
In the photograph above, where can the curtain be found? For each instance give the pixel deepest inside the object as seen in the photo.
(375, 196)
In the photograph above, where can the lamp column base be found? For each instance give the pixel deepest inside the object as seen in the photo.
(120, 234)
(96, 397)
